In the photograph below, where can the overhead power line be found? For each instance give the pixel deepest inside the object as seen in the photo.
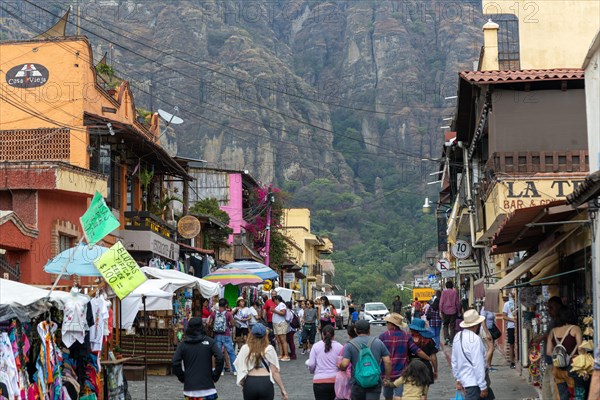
(142, 41)
(125, 48)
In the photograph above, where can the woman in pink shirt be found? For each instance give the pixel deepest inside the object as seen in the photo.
(323, 364)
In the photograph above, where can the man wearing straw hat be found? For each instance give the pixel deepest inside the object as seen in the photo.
(468, 359)
(399, 343)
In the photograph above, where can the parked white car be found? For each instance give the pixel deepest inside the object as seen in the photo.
(375, 312)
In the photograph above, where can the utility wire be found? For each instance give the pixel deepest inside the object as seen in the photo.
(133, 37)
(220, 90)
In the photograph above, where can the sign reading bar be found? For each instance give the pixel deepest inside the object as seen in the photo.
(98, 221)
(120, 270)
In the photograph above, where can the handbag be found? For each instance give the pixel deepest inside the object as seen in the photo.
(342, 384)
(495, 332)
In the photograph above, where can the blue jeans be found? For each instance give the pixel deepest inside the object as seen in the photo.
(435, 330)
(224, 341)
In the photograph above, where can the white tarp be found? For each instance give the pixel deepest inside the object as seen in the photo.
(180, 280)
(285, 293)
(18, 300)
(158, 298)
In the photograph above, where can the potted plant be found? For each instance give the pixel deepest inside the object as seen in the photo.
(117, 352)
(146, 176)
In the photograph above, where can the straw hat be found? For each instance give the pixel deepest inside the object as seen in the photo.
(471, 318)
(395, 319)
(240, 298)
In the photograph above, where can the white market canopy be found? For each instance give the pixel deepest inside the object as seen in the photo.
(158, 298)
(18, 300)
(180, 280)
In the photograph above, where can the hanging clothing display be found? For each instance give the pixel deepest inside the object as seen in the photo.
(48, 375)
(9, 373)
(100, 315)
(75, 318)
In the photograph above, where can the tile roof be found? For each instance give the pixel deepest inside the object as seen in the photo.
(585, 191)
(522, 75)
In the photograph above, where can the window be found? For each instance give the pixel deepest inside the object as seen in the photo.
(64, 243)
(509, 58)
(375, 307)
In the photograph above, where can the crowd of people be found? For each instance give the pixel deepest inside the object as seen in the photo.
(401, 362)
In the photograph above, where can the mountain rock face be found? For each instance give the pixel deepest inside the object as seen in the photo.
(293, 91)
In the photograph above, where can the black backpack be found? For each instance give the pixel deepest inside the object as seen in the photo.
(295, 322)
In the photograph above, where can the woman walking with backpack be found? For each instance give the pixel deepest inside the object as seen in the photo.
(293, 324)
(323, 362)
(563, 342)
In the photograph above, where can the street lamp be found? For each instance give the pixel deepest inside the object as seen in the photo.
(431, 260)
(429, 204)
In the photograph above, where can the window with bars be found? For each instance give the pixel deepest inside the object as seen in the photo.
(64, 243)
(509, 56)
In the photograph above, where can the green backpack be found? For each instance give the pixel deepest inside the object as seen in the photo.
(366, 370)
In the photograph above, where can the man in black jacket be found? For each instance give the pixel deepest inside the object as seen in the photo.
(192, 362)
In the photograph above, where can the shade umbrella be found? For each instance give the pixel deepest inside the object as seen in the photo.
(254, 267)
(233, 276)
(79, 260)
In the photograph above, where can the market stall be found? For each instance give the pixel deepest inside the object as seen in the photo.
(38, 358)
(169, 299)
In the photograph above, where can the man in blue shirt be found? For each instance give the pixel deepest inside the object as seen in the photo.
(354, 316)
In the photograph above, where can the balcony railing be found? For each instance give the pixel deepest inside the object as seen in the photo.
(533, 162)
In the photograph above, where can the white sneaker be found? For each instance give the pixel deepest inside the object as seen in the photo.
(234, 373)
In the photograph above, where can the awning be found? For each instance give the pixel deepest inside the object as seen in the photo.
(299, 275)
(517, 232)
(527, 264)
(190, 249)
(153, 153)
(589, 189)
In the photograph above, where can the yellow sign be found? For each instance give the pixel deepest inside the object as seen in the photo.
(512, 195)
(120, 270)
(423, 294)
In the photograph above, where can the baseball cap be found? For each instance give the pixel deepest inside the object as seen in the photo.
(363, 325)
(259, 330)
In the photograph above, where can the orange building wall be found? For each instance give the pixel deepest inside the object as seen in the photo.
(52, 205)
(70, 91)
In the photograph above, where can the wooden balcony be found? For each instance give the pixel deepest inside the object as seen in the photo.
(529, 163)
(532, 162)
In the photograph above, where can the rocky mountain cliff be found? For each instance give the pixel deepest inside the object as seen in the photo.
(323, 98)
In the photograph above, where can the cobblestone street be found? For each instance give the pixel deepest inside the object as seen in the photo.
(507, 384)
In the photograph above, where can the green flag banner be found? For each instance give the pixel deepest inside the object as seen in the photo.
(98, 221)
(120, 270)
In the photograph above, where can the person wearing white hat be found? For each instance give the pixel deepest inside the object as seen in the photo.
(468, 359)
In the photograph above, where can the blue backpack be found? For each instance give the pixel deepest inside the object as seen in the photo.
(366, 370)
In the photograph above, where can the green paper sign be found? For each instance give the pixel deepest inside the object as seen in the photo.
(98, 221)
(120, 270)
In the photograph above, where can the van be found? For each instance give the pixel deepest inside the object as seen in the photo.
(341, 306)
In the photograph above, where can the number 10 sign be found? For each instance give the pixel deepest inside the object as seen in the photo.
(461, 250)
